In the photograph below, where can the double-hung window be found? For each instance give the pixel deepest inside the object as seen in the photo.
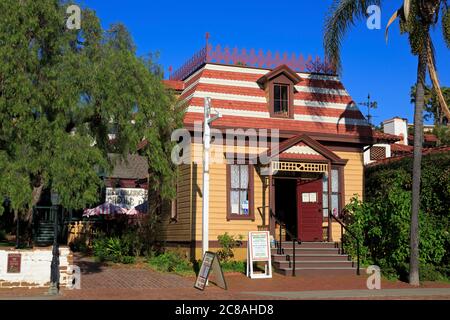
(281, 99)
(240, 192)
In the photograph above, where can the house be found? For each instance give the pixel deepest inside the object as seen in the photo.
(126, 186)
(288, 149)
(395, 141)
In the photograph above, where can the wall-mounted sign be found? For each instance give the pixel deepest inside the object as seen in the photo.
(210, 265)
(14, 263)
(258, 250)
(126, 197)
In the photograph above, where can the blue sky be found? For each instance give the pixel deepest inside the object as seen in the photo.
(176, 29)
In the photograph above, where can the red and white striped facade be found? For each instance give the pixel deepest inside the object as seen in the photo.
(321, 103)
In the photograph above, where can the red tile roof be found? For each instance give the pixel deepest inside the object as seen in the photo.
(399, 148)
(428, 137)
(426, 151)
(386, 137)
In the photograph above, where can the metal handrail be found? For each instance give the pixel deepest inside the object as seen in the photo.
(280, 249)
(344, 227)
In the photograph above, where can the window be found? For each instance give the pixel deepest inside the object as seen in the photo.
(281, 98)
(336, 193)
(240, 192)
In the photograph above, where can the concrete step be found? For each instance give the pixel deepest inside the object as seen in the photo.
(314, 264)
(311, 257)
(300, 250)
(317, 271)
(288, 244)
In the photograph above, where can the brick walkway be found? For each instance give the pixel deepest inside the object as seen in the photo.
(99, 282)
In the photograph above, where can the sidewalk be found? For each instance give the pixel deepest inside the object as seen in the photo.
(100, 282)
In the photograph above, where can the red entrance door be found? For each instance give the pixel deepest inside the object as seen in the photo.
(309, 210)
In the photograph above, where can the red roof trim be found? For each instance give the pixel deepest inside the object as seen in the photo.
(324, 151)
(174, 84)
(283, 69)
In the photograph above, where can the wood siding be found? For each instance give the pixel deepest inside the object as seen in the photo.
(188, 228)
(179, 230)
(353, 174)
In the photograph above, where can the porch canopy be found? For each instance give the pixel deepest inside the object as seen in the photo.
(301, 154)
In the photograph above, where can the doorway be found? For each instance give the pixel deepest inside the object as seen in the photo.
(286, 203)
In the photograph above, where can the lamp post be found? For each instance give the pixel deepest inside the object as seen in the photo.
(206, 148)
(54, 267)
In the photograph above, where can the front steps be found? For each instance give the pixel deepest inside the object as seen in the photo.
(45, 234)
(312, 258)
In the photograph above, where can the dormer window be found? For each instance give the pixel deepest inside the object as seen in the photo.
(279, 85)
(281, 99)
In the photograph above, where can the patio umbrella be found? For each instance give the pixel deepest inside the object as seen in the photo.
(104, 209)
(139, 209)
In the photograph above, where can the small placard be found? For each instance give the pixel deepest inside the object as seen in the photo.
(259, 246)
(258, 250)
(210, 264)
(14, 263)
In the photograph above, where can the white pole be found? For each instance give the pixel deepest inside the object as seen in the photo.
(205, 198)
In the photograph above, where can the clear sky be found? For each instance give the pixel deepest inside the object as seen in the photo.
(176, 29)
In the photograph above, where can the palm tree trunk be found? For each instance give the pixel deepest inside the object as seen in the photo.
(417, 162)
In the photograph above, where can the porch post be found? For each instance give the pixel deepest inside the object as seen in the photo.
(271, 206)
(330, 222)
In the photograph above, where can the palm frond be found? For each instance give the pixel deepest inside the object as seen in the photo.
(435, 79)
(406, 8)
(394, 17)
(342, 15)
(446, 24)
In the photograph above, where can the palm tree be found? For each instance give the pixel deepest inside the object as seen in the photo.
(417, 17)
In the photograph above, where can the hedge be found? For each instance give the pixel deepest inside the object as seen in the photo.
(382, 220)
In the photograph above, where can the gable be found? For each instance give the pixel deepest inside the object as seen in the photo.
(302, 147)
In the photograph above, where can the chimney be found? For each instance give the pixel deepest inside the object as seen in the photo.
(397, 126)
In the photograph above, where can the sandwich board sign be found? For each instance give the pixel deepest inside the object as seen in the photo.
(210, 264)
(258, 250)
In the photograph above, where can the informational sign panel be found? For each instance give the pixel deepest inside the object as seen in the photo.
(14, 263)
(126, 198)
(258, 250)
(210, 265)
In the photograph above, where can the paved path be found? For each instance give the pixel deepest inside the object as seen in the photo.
(101, 282)
(441, 293)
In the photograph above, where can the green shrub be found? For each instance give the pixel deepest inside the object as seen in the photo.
(170, 261)
(128, 260)
(111, 249)
(382, 222)
(2, 235)
(132, 240)
(234, 266)
(228, 244)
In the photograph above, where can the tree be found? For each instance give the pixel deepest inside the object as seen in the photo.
(432, 106)
(61, 93)
(416, 19)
